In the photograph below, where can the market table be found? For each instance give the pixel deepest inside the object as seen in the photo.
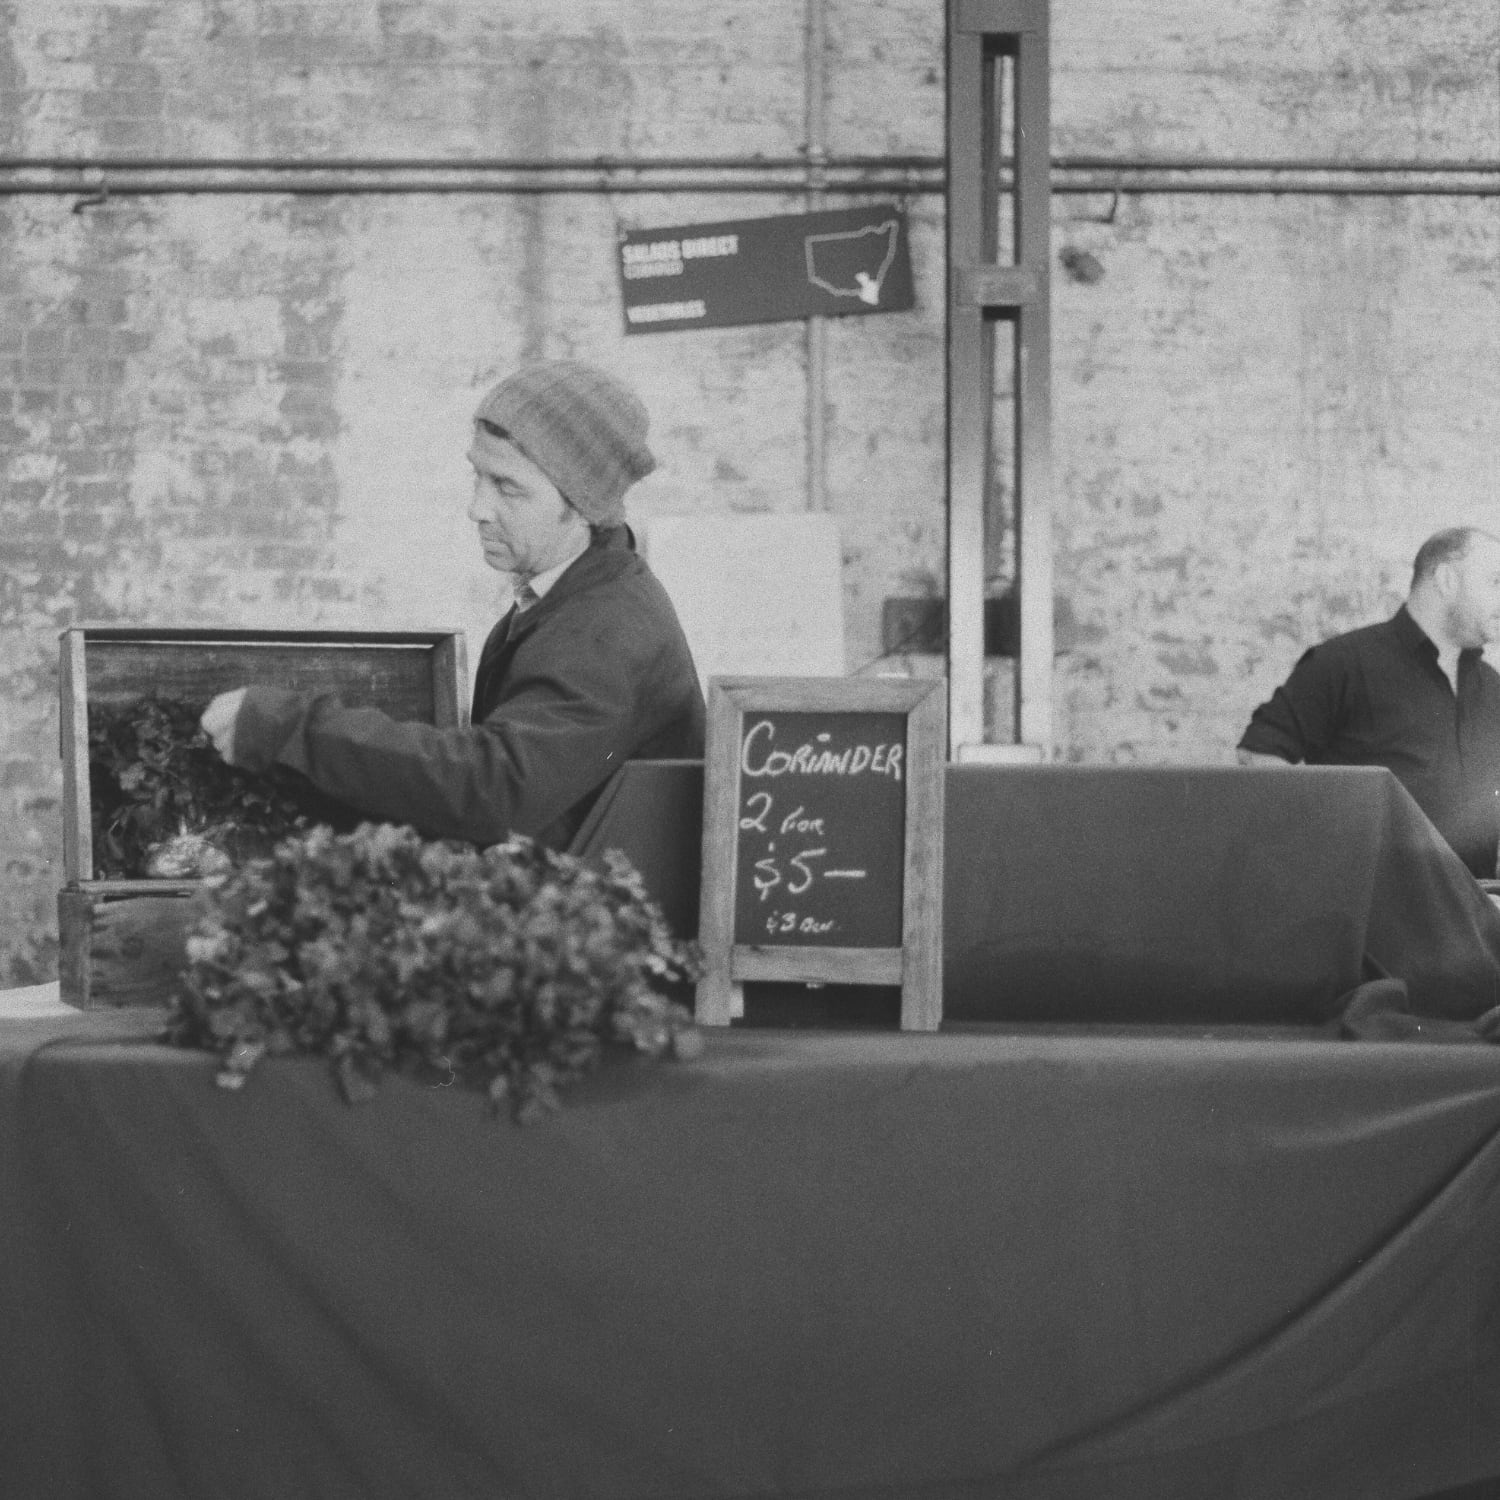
(1196, 894)
(1025, 1266)
(1024, 1261)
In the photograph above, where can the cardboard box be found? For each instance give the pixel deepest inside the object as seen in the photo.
(122, 940)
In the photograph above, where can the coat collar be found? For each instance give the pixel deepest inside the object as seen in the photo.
(608, 550)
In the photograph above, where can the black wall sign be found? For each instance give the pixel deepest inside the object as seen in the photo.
(848, 260)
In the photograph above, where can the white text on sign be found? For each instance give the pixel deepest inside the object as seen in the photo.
(759, 758)
(794, 874)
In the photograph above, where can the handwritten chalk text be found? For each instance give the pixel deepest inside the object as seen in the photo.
(816, 758)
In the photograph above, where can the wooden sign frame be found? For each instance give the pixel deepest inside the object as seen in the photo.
(917, 964)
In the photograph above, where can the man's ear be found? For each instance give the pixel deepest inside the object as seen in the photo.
(1445, 578)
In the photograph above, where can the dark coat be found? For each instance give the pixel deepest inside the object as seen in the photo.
(596, 673)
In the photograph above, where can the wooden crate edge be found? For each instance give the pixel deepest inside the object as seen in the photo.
(121, 947)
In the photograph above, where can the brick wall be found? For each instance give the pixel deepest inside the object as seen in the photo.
(253, 409)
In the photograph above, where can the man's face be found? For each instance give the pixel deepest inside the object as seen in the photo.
(525, 525)
(1474, 604)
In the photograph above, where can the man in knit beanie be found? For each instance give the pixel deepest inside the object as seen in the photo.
(556, 431)
(583, 428)
(588, 669)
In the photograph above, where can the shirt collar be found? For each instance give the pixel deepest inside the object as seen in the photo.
(540, 583)
(1412, 634)
(1417, 639)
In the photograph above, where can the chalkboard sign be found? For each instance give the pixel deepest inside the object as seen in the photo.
(822, 834)
(822, 839)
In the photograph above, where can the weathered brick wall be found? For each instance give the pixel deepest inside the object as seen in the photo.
(254, 408)
(1266, 403)
(1254, 447)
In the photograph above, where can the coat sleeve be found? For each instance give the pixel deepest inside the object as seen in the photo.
(1304, 716)
(567, 720)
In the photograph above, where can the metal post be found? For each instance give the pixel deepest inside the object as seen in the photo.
(971, 361)
(1033, 387)
(817, 332)
(981, 290)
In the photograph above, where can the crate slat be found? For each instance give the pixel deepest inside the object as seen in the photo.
(398, 678)
(73, 717)
(122, 949)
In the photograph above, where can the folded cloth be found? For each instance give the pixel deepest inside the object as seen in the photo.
(1379, 1010)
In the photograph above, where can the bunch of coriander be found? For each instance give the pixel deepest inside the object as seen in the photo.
(154, 777)
(510, 969)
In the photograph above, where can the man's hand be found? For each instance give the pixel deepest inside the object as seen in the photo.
(1258, 758)
(219, 720)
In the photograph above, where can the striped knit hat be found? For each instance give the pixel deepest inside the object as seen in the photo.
(582, 428)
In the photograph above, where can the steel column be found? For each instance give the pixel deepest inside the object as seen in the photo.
(981, 290)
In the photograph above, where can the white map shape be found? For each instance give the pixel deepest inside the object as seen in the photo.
(857, 277)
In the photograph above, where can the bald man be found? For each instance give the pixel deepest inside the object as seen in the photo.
(1413, 694)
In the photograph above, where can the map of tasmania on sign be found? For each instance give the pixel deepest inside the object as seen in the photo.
(853, 260)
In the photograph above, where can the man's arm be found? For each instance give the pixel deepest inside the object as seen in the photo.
(578, 698)
(548, 746)
(1258, 758)
(1304, 717)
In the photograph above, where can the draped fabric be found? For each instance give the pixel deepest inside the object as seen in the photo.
(1215, 1260)
(923, 1267)
(1145, 894)
(1193, 894)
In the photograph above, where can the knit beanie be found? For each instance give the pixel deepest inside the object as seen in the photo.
(582, 428)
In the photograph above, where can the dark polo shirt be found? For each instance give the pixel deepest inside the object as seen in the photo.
(1377, 697)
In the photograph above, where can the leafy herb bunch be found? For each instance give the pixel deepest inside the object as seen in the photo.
(511, 969)
(154, 775)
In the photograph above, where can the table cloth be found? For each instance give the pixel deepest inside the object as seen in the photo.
(1135, 893)
(1029, 1262)
(1025, 1266)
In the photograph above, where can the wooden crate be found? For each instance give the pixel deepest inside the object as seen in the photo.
(122, 940)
